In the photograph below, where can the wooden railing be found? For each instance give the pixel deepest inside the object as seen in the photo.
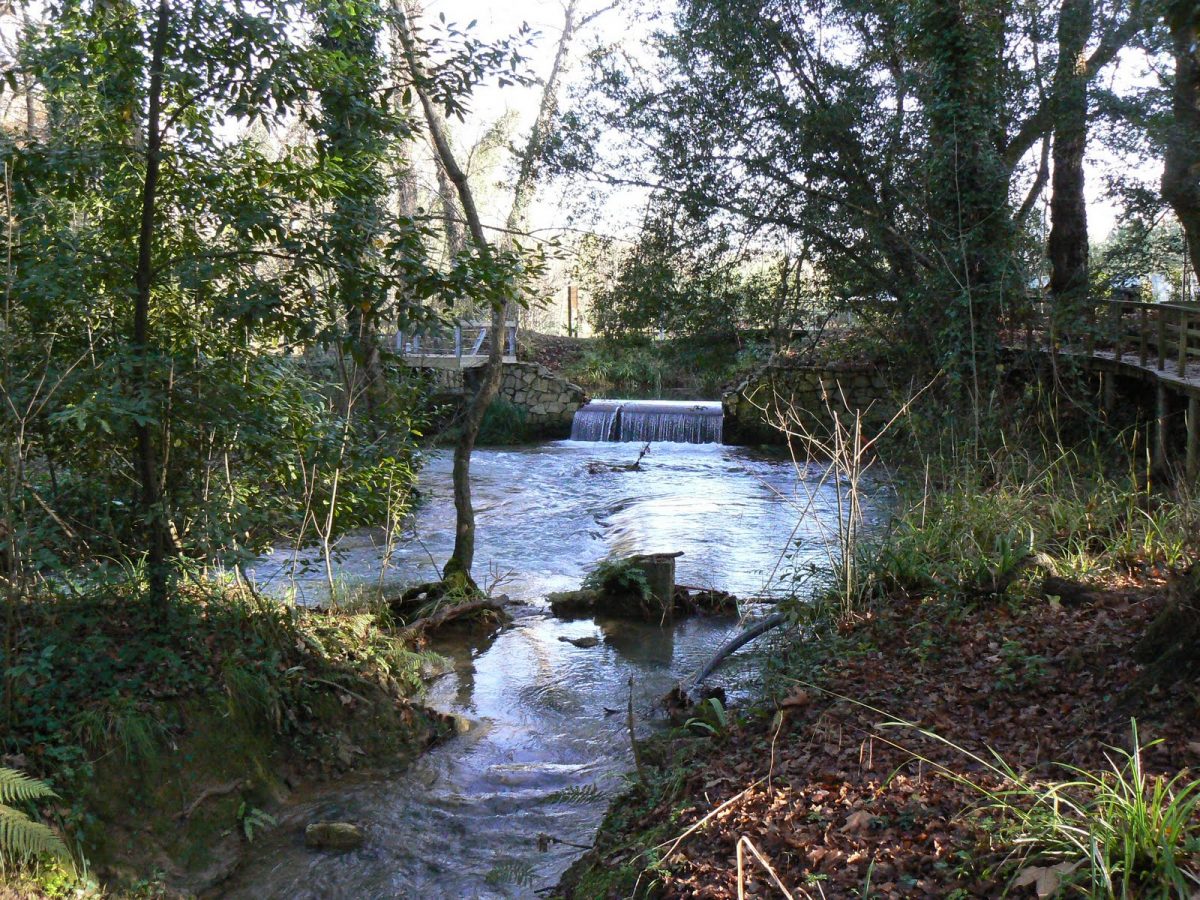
(1162, 336)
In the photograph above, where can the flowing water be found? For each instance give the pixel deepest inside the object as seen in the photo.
(675, 421)
(548, 717)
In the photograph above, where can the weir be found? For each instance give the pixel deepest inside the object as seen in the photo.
(675, 421)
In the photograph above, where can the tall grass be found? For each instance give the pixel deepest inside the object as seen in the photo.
(1117, 832)
(962, 529)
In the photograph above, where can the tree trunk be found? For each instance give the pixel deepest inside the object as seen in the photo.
(153, 515)
(1068, 241)
(1181, 165)
(463, 556)
(458, 566)
(1170, 648)
(960, 51)
(531, 157)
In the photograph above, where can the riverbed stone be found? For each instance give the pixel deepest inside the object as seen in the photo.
(335, 836)
(584, 643)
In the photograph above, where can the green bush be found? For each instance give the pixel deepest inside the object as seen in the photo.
(503, 423)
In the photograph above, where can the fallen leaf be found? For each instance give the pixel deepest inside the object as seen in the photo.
(797, 699)
(1046, 880)
(858, 821)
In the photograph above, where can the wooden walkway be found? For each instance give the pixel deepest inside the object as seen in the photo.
(1156, 343)
(461, 347)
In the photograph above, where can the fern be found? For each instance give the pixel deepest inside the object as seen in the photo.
(618, 576)
(254, 820)
(16, 787)
(21, 838)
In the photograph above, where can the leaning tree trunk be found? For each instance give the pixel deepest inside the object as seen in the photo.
(458, 566)
(1181, 165)
(1068, 241)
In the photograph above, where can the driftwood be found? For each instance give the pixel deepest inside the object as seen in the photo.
(450, 614)
(596, 468)
(735, 643)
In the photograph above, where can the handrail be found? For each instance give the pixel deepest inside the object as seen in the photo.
(1162, 338)
(1153, 333)
(434, 343)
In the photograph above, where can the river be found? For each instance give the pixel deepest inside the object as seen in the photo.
(546, 751)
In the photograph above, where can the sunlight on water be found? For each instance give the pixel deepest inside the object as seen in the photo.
(464, 820)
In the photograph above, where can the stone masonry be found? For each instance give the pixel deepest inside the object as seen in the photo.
(549, 401)
(810, 394)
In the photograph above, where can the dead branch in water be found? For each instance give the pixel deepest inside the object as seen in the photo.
(596, 468)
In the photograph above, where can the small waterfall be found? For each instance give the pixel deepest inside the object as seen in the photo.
(597, 421)
(678, 421)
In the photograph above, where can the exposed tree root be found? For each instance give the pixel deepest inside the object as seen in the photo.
(451, 613)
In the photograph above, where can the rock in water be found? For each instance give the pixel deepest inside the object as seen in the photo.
(583, 642)
(339, 836)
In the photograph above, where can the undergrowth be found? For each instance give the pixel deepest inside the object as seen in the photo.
(694, 368)
(109, 681)
(1113, 832)
(980, 529)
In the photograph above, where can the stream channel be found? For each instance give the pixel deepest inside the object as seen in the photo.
(464, 820)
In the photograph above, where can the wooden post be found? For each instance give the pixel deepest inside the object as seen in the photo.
(1183, 343)
(1160, 428)
(1143, 337)
(572, 308)
(1109, 390)
(659, 569)
(1162, 339)
(1193, 435)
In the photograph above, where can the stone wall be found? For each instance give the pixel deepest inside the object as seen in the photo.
(549, 401)
(810, 393)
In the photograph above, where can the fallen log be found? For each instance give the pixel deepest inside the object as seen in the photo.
(1071, 593)
(450, 614)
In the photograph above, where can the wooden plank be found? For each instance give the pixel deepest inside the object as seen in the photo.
(1183, 342)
